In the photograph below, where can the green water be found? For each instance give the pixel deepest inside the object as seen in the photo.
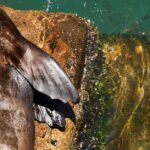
(110, 16)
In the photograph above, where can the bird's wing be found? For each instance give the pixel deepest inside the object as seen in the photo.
(42, 72)
(45, 75)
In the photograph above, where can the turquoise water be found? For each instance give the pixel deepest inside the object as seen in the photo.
(110, 16)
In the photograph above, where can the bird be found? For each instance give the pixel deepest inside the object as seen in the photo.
(25, 69)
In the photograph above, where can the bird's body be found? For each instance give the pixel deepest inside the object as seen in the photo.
(16, 123)
(25, 68)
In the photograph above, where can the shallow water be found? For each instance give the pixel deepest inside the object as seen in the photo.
(111, 17)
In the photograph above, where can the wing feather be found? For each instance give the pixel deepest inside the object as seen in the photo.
(45, 74)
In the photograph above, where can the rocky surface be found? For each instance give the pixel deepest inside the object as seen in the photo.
(64, 37)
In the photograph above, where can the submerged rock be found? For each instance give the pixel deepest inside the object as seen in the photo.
(117, 96)
(127, 119)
